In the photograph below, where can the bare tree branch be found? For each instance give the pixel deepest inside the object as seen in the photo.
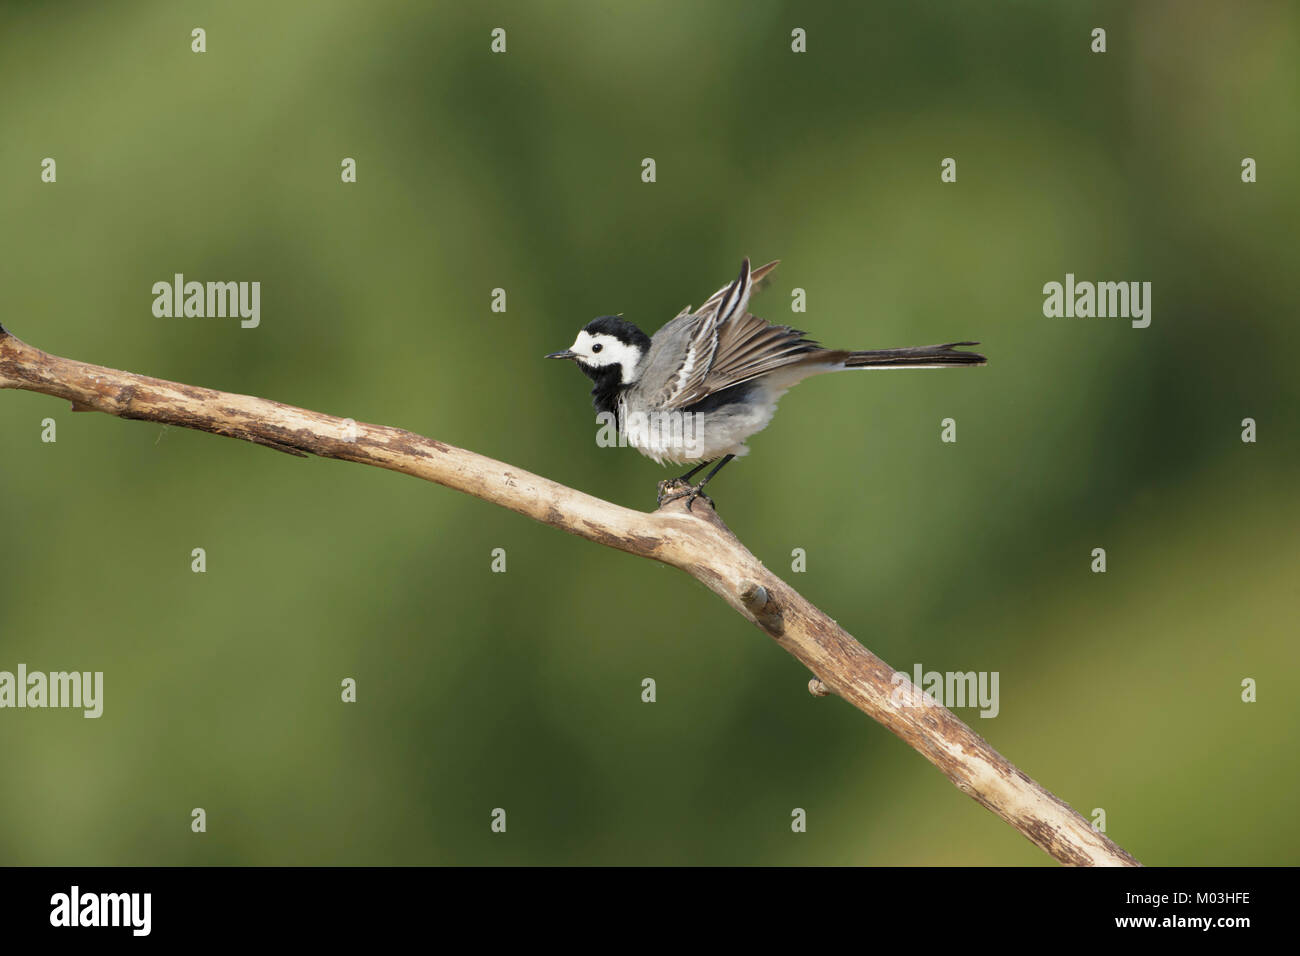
(698, 543)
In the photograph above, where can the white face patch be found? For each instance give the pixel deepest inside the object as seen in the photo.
(600, 350)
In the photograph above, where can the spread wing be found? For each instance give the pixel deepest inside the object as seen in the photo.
(730, 346)
(758, 280)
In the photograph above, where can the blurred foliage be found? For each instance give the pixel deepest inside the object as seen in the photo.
(522, 690)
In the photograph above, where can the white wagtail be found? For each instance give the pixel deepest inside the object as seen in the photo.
(709, 379)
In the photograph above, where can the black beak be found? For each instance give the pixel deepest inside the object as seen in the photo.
(566, 354)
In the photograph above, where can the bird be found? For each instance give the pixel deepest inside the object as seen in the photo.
(696, 390)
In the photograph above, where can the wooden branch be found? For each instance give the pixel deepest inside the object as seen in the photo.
(697, 542)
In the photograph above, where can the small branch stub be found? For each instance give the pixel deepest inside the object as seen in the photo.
(758, 601)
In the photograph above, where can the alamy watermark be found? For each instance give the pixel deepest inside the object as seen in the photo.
(128, 910)
(211, 300)
(950, 689)
(671, 435)
(1102, 300)
(74, 689)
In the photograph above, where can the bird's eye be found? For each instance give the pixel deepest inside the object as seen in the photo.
(597, 347)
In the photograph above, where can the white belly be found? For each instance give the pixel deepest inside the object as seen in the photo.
(682, 438)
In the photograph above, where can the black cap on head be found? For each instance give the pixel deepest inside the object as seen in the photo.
(621, 329)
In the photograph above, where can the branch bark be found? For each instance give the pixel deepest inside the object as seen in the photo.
(697, 543)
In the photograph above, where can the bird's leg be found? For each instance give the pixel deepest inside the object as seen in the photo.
(699, 489)
(692, 473)
(695, 491)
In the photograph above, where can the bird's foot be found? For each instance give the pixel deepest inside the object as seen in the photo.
(673, 489)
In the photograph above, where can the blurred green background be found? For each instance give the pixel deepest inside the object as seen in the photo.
(522, 171)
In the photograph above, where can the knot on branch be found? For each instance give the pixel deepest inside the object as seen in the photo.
(759, 603)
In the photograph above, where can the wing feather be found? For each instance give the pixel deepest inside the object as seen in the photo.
(731, 345)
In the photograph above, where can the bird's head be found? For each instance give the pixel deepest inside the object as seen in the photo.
(609, 350)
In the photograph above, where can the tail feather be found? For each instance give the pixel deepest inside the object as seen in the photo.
(922, 356)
